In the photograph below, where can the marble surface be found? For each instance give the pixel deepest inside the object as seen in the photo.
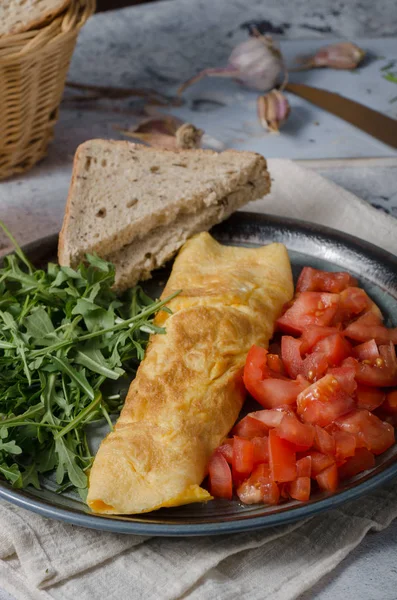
(158, 45)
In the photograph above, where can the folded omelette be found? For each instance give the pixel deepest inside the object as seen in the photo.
(188, 390)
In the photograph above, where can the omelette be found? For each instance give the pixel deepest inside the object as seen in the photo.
(188, 390)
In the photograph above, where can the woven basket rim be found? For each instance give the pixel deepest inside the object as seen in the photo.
(71, 19)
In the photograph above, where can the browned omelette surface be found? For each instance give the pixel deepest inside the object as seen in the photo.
(188, 390)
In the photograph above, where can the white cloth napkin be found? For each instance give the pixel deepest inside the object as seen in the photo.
(41, 559)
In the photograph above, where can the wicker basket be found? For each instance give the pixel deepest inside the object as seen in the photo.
(33, 68)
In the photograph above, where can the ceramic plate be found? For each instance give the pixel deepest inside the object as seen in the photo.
(308, 244)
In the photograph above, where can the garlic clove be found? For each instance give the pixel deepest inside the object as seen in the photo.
(165, 131)
(273, 110)
(188, 136)
(344, 55)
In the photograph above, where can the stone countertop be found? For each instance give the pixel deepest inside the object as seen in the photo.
(158, 45)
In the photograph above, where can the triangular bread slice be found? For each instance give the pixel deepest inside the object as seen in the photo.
(17, 16)
(121, 191)
(136, 261)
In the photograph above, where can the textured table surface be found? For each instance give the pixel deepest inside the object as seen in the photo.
(158, 45)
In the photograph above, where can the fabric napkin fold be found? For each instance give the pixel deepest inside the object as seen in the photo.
(41, 559)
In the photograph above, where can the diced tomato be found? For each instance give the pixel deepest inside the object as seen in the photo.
(304, 466)
(226, 449)
(314, 366)
(376, 435)
(313, 334)
(319, 462)
(243, 456)
(309, 308)
(328, 479)
(366, 351)
(362, 460)
(353, 302)
(345, 445)
(313, 280)
(275, 364)
(291, 355)
(383, 373)
(271, 418)
(369, 397)
(282, 458)
(249, 428)
(323, 402)
(345, 375)
(390, 404)
(220, 477)
(261, 450)
(323, 441)
(259, 487)
(300, 489)
(268, 391)
(294, 431)
(335, 347)
(363, 331)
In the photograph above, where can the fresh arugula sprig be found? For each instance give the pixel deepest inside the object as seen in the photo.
(64, 335)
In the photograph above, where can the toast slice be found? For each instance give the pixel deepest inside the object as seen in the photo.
(17, 16)
(136, 261)
(122, 191)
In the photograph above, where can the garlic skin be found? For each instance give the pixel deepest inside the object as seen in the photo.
(187, 136)
(273, 110)
(256, 63)
(165, 131)
(344, 55)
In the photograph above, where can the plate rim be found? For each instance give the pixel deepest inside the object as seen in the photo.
(117, 524)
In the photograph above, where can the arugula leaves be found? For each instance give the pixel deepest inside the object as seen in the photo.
(64, 335)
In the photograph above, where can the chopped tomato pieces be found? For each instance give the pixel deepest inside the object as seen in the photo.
(300, 489)
(328, 479)
(282, 458)
(383, 373)
(313, 280)
(309, 308)
(259, 487)
(323, 402)
(323, 441)
(226, 449)
(313, 334)
(367, 351)
(304, 466)
(220, 476)
(249, 428)
(345, 445)
(275, 364)
(390, 404)
(368, 328)
(243, 456)
(291, 355)
(296, 432)
(362, 460)
(271, 418)
(319, 462)
(345, 375)
(335, 348)
(376, 435)
(369, 397)
(261, 450)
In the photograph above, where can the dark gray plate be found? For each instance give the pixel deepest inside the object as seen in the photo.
(308, 245)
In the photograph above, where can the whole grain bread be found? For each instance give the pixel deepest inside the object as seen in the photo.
(121, 191)
(17, 16)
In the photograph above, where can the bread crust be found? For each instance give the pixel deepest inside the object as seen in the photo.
(48, 14)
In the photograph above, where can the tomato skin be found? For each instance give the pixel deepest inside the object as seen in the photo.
(328, 479)
(313, 334)
(362, 460)
(323, 441)
(335, 348)
(309, 308)
(282, 458)
(366, 351)
(376, 435)
(271, 418)
(369, 397)
(292, 430)
(304, 466)
(300, 489)
(243, 456)
(314, 280)
(259, 382)
(261, 450)
(249, 428)
(323, 402)
(220, 477)
(259, 487)
(384, 375)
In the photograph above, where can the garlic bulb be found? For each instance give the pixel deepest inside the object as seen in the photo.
(344, 55)
(273, 110)
(256, 63)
